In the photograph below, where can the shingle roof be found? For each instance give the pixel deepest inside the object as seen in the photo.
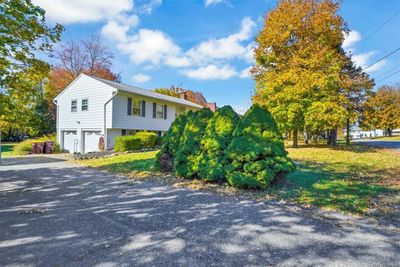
(143, 92)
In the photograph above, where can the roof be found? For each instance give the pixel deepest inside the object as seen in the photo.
(143, 92)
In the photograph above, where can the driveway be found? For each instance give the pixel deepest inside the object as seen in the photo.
(53, 213)
(395, 145)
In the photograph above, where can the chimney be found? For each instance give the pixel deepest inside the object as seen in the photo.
(212, 106)
(183, 95)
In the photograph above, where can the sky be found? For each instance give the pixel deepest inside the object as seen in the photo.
(206, 45)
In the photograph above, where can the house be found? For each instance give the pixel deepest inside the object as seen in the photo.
(357, 133)
(90, 108)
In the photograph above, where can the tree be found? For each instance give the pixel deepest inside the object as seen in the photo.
(217, 137)
(257, 154)
(23, 34)
(186, 162)
(382, 110)
(195, 97)
(298, 62)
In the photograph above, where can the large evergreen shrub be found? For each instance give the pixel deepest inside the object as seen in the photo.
(170, 142)
(257, 154)
(186, 162)
(126, 143)
(215, 142)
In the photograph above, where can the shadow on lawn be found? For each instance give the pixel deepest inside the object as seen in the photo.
(318, 185)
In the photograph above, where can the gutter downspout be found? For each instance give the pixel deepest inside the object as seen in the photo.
(105, 120)
(58, 135)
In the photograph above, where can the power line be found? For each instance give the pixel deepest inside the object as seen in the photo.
(388, 55)
(388, 76)
(388, 71)
(381, 26)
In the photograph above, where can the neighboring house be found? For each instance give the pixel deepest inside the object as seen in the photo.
(90, 108)
(357, 133)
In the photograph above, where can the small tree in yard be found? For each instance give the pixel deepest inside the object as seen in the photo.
(256, 154)
(186, 162)
(171, 141)
(216, 140)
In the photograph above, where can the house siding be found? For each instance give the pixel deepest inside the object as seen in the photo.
(122, 120)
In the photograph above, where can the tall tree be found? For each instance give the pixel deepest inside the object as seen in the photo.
(298, 62)
(382, 110)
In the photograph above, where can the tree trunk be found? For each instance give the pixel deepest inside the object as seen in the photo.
(305, 135)
(332, 137)
(348, 132)
(295, 141)
(390, 132)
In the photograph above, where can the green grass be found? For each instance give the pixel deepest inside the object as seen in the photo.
(141, 163)
(7, 150)
(349, 179)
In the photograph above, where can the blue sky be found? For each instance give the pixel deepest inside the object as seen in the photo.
(205, 45)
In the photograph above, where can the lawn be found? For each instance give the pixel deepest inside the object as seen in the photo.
(7, 150)
(353, 179)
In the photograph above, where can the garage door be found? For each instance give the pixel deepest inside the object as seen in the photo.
(71, 141)
(91, 142)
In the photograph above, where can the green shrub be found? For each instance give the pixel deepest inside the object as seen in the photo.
(257, 154)
(159, 141)
(186, 162)
(25, 147)
(126, 143)
(170, 142)
(147, 139)
(215, 142)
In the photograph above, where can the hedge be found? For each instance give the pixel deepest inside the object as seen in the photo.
(256, 154)
(126, 143)
(170, 142)
(186, 162)
(147, 139)
(217, 137)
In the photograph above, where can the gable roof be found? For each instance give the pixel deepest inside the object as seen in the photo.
(143, 92)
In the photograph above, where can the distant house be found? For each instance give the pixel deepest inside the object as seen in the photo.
(91, 108)
(357, 133)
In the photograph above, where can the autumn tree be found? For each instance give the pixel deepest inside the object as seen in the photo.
(382, 110)
(298, 62)
(176, 91)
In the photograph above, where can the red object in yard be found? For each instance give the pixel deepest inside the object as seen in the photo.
(48, 147)
(38, 147)
(34, 148)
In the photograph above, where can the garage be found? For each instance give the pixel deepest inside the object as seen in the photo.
(91, 141)
(70, 141)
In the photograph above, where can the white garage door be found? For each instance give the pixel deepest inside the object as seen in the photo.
(71, 141)
(91, 142)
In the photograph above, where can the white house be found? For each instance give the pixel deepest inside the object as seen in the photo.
(90, 108)
(357, 133)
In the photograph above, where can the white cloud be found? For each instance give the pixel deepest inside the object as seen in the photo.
(114, 30)
(150, 6)
(362, 60)
(149, 46)
(245, 73)
(78, 11)
(175, 61)
(211, 72)
(212, 2)
(227, 47)
(350, 39)
(141, 78)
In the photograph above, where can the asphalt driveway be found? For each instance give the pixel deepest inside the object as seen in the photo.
(53, 213)
(395, 145)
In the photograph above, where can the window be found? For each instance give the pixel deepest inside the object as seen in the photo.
(136, 107)
(74, 106)
(160, 111)
(85, 105)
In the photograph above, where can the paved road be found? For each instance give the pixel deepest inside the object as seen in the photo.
(53, 213)
(395, 145)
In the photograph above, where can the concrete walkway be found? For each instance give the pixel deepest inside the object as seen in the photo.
(53, 213)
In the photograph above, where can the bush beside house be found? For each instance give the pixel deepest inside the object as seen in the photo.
(170, 142)
(257, 154)
(217, 137)
(126, 143)
(186, 162)
(147, 139)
